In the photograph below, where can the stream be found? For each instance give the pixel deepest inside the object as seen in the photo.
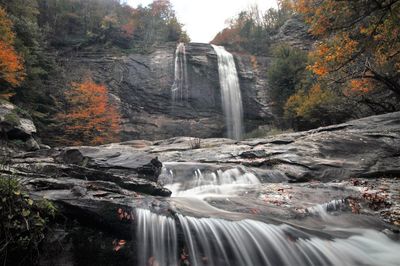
(220, 217)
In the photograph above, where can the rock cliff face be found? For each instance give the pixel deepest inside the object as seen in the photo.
(294, 32)
(141, 87)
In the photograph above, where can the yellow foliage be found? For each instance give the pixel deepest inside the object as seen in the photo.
(303, 104)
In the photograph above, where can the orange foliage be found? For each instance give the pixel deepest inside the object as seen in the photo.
(11, 64)
(129, 29)
(91, 119)
(227, 36)
(355, 36)
(330, 55)
(359, 86)
(11, 67)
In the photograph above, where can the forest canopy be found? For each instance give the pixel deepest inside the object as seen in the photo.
(34, 32)
(351, 68)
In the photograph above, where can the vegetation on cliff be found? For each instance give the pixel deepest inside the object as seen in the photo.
(90, 117)
(351, 71)
(33, 32)
(251, 30)
(23, 224)
(11, 65)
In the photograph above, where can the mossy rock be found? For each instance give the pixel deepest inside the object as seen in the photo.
(12, 119)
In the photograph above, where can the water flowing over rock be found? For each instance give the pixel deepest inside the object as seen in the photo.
(158, 237)
(180, 88)
(215, 182)
(322, 210)
(230, 93)
(231, 201)
(248, 242)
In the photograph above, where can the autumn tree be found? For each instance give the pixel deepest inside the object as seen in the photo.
(11, 63)
(359, 41)
(314, 107)
(91, 118)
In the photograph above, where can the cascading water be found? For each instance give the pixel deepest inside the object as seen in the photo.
(157, 237)
(247, 242)
(210, 183)
(180, 88)
(218, 242)
(187, 240)
(322, 210)
(230, 93)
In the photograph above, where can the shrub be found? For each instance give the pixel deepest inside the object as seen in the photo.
(22, 224)
(195, 143)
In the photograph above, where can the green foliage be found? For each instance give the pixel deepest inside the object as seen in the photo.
(12, 119)
(286, 74)
(109, 22)
(22, 224)
(299, 101)
(250, 31)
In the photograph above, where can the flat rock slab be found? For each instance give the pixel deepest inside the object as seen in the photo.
(368, 147)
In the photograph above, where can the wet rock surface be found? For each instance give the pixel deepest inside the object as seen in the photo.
(365, 148)
(368, 147)
(349, 170)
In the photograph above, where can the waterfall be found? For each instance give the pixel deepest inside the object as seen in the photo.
(157, 239)
(247, 242)
(210, 241)
(186, 240)
(180, 88)
(230, 93)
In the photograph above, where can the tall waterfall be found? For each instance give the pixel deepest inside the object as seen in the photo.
(230, 93)
(180, 88)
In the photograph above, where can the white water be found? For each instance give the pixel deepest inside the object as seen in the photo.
(247, 242)
(219, 183)
(157, 239)
(180, 88)
(322, 210)
(219, 242)
(230, 93)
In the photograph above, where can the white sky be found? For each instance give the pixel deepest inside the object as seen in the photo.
(203, 19)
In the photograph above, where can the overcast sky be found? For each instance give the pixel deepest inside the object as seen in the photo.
(203, 19)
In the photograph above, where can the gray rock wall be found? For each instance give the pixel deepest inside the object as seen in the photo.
(141, 86)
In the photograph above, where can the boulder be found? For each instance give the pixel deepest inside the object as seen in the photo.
(17, 129)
